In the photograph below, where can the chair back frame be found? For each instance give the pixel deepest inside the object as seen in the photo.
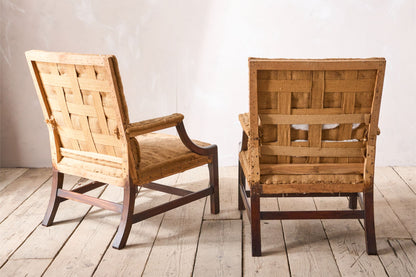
(84, 107)
(343, 91)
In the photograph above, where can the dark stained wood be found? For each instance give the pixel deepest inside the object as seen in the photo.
(86, 199)
(88, 187)
(211, 151)
(167, 189)
(370, 233)
(126, 216)
(352, 202)
(205, 151)
(255, 224)
(57, 181)
(213, 182)
(171, 205)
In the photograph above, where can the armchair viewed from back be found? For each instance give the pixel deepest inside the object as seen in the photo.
(91, 136)
(311, 131)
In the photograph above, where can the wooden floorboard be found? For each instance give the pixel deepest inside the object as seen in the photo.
(21, 188)
(308, 249)
(219, 249)
(190, 241)
(346, 238)
(45, 242)
(8, 175)
(398, 256)
(175, 247)
(408, 174)
(401, 199)
(84, 249)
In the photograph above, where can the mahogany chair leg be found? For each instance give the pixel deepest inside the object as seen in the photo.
(241, 182)
(57, 181)
(370, 234)
(255, 224)
(352, 201)
(213, 182)
(126, 217)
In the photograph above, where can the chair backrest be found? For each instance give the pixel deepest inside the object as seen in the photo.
(317, 114)
(83, 103)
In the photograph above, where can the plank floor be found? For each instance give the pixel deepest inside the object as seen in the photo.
(189, 241)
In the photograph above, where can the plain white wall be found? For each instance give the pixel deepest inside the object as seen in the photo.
(191, 57)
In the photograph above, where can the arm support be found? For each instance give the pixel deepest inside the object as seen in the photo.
(147, 126)
(205, 151)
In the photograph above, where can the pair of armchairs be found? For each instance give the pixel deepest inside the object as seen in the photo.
(311, 131)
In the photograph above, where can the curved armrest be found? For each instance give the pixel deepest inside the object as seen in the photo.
(205, 151)
(147, 126)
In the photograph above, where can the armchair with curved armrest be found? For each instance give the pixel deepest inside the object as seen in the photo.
(90, 134)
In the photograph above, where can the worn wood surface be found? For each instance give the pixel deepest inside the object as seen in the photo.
(45, 242)
(219, 249)
(399, 196)
(189, 241)
(347, 242)
(309, 252)
(20, 189)
(175, 247)
(8, 175)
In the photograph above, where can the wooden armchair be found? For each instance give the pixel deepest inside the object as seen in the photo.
(311, 131)
(90, 134)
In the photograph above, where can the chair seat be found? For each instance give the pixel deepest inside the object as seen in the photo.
(162, 155)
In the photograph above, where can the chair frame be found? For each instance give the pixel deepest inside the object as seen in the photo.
(251, 173)
(129, 181)
(126, 209)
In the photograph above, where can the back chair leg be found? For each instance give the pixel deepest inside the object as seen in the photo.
(242, 183)
(352, 201)
(213, 182)
(255, 224)
(57, 181)
(126, 217)
(370, 235)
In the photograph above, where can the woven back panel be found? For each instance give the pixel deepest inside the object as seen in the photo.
(299, 98)
(314, 112)
(83, 104)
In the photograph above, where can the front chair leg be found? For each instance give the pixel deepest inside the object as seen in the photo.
(57, 181)
(213, 181)
(255, 224)
(370, 234)
(126, 216)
